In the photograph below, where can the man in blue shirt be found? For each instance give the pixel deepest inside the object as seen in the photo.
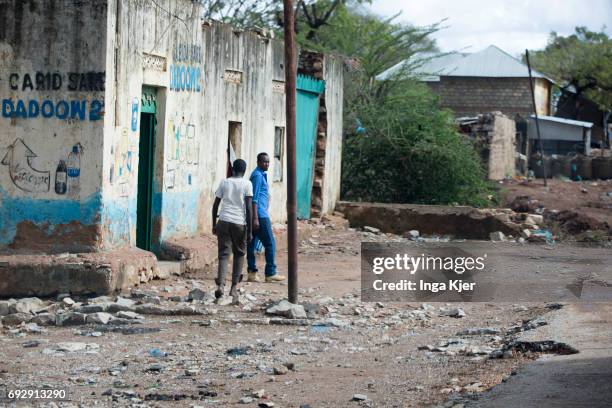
(262, 227)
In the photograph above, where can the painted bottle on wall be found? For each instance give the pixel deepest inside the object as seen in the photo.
(74, 170)
(61, 178)
(74, 162)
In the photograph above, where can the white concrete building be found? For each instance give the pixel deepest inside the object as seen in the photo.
(119, 117)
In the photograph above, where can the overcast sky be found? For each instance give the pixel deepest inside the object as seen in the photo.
(512, 25)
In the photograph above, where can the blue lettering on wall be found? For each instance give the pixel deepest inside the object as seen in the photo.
(47, 109)
(7, 108)
(21, 112)
(77, 108)
(63, 110)
(185, 78)
(95, 112)
(34, 109)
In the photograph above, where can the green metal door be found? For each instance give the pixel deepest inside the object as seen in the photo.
(144, 222)
(307, 116)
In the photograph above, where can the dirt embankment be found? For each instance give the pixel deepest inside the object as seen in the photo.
(570, 208)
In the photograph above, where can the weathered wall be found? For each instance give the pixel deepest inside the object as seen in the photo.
(494, 137)
(502, 148)
(334, 84)
(52, 78)
(234, 74)
(469, 96)
(86, 64)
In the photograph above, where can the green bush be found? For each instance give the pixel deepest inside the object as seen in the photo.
(410, 151)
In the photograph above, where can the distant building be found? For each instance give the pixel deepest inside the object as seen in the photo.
(560, 136)
(485, 81)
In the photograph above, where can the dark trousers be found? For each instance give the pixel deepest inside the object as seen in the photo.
(266, 236)
(231, 238)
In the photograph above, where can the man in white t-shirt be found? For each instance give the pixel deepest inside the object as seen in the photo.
(234, 228)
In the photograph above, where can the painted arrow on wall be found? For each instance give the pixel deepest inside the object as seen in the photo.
(24, 176)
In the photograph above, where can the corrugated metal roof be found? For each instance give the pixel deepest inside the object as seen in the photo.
(491, 62)
(564, 121)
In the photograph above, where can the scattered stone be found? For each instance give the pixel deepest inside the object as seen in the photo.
(14, 319)
(100, 299)
(125, 302)
(44, 319)
(72, 347)
(474, 387)
(70, 319)
(280, 370)
(534, 219)
(331, 322)
(95, 308)
(197, 294)
(4, 308)
(371, 229)
(190, 372)
(497, 236)
(290, 366)
(475, 331)
(286, 309)
(453, 312)
(99, 318)
(288, 322)
(31, 343)
(237, 351)
(224, 301)
(33, 328)
(129, 315)
(412, 234)
(266, 404)
(524, 204)
(258, 394)
(155, 368)
(325, 300)
(27, 305)
(246, 400)
(68, 301)
(128, 330)
(360, 397)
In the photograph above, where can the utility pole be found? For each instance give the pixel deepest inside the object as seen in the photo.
(290, 86)
(535, 111)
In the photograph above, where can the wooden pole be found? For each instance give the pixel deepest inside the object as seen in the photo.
(290, 95)
(535, 111)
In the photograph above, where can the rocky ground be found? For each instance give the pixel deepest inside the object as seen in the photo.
(168, 343)
(573, 209)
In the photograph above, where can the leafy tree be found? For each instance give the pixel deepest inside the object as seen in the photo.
(241, 13)
(398, 146)
(581, 62)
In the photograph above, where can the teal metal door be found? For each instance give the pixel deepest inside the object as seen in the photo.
(144, 221)
(307, 117)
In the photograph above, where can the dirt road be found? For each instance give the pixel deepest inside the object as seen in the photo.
(356, 354)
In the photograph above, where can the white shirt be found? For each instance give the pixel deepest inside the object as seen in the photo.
(232, 192)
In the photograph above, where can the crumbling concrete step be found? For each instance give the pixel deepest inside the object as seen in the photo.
(98, 273)
(458, 221)
(165, 269)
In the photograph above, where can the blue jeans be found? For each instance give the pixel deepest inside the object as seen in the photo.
(265, 235)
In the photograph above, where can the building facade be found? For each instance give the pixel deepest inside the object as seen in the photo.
(119, 119)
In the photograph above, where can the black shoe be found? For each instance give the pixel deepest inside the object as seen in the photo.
(218, 293)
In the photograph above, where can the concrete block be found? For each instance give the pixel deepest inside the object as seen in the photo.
(98, 273)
